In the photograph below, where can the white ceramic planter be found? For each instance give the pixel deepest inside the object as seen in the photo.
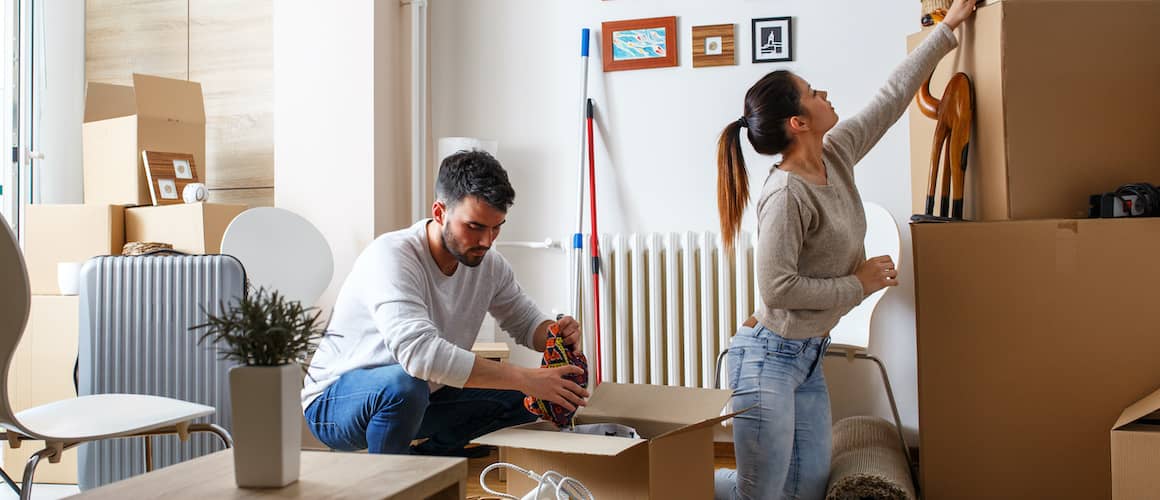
(267, 416)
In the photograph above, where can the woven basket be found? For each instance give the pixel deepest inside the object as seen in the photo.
(929, 6)
(143, 247)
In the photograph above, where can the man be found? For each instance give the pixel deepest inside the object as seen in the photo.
(396, 365)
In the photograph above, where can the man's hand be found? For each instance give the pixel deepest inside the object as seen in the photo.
(570, 330)
(550, 385)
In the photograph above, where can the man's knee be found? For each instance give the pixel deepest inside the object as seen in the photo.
(401, 392)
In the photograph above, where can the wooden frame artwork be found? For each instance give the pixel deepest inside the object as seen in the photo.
(168, 174)
(639, 43)
(772, 39)
(713, 46)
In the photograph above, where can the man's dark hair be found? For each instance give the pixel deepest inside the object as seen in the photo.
(474, 173)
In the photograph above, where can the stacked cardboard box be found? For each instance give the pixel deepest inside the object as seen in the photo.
(1033, 327)
(156, 114)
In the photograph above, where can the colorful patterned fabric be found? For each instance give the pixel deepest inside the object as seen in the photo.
(556, 355)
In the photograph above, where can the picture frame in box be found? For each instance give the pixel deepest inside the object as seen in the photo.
(168, 174)
(639, 43)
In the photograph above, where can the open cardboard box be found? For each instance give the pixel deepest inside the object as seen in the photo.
(1136, 450)
(155, 114)
(674, 459)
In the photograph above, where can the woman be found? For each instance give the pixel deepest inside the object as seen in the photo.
(811, 266)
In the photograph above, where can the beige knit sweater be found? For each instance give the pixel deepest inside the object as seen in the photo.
(810, 236)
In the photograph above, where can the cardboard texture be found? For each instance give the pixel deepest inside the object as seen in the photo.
(158, 114)
(1032, 336)
(42, 372)
(1052, 126)
(193, 228)
(673, 459)
(1136, 451)
(68, 233)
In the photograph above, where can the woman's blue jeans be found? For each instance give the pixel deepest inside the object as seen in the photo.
(783, 442)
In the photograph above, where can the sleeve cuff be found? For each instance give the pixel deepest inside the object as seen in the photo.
(462, 362)
(851, 290)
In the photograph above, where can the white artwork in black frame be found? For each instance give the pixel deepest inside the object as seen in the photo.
(772, 39)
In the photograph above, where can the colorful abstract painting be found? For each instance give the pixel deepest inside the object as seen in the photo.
(639, 44)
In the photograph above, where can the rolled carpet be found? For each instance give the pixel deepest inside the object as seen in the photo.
(868, 462)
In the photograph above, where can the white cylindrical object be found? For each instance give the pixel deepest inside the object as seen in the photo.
(68, 276)
(194, 192)
(451, 145)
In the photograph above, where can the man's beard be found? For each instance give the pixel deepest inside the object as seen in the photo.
(460, 255)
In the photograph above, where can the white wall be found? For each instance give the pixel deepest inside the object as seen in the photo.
(324, 122)
(337, 99)
(509, 70)
(61, 96)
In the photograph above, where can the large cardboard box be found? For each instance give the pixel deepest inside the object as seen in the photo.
(194, 228)
(1065, 105)
(68, 233)
(673, 459)
(1136, 451)
(1032, 336)
(42, 372)
(155, 114)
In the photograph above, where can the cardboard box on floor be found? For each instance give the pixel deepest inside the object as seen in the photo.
(68, 233)
(1136, 451)
(1056, 119)
(155, 114)
(193, 228)
(1032, 336)
(674, 460)
(42, 372)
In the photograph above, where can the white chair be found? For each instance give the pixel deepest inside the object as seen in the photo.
(67, 423)
(281, 251)
(851, 337)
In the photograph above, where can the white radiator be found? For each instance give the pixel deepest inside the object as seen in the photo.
(669, 304)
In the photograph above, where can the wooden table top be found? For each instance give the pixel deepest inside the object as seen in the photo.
(325, 475)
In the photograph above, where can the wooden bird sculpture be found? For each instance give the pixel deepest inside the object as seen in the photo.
(953, 116)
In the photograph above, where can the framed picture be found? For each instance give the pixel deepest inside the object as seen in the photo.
(772, 39)
(639, 43)
(168, 174)
(713, 46)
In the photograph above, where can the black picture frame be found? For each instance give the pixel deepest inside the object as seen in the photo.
(765, 28)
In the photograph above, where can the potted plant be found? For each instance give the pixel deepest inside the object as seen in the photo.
(271, 338)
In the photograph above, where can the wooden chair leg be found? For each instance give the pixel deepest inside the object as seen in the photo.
(148, 453)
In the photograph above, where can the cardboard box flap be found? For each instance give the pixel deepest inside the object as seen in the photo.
(655, 403)
(105, 100)
(167, 98)
(708, 423)
(547, 438)
(1140, 409)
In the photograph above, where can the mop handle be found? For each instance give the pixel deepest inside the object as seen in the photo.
(576, 287)
(595, 239)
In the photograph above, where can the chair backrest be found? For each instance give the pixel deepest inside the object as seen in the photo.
(281, 250)
(881, 239)
(15, 300)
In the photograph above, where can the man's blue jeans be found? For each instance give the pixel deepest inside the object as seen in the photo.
(383, 409)
(783, 442)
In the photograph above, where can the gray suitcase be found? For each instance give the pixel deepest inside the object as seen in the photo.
(135, 315)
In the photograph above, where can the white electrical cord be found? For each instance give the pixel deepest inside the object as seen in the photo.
(564, 487)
